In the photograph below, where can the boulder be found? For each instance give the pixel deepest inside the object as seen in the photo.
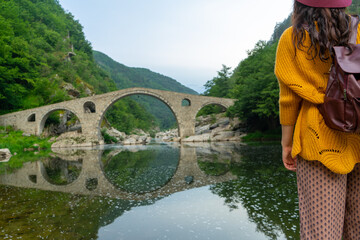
(116, 133)
(197, 138)
(5, 155)
(223, 136)
(129, 141)
(201, 129)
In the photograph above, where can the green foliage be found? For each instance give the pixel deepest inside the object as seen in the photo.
(210, 109)
(107, 138)
(42, 46)
(126, 115)
(220, 85)
(126, 77)
(16, 142)
(256, 88)
(253, 83)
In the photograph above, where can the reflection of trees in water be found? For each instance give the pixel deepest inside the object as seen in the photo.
(213, 165)
(62, 172)
(215, 159)
(37, 214)
(266, 190)
(142, 171)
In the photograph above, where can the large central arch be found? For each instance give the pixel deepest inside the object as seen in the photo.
(128, 94)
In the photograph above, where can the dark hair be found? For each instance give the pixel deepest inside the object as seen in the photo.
(327, 27)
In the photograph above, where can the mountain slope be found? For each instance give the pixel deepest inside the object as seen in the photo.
(126, 77)
(42, 50)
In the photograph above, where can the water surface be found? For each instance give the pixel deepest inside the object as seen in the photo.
(168, 191)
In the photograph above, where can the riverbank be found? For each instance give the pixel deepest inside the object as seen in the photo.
(21, 148)
(210, 128)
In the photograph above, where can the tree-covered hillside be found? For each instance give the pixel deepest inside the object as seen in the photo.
(45, 58)
(126, 77)
(43, 50)
(253, 82)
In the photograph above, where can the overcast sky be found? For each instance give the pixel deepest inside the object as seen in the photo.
(187, 40)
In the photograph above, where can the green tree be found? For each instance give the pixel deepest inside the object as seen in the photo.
(219, 86)
(256, 88)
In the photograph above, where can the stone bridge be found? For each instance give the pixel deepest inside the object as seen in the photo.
(91, 110)
(33, 175)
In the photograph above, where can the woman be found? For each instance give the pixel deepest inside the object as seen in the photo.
(324, 159)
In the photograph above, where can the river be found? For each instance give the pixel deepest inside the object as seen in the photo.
(161, 191)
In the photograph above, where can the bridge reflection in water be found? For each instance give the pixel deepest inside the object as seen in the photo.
(86, 172)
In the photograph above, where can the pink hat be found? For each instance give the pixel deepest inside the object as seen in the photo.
(326, 3)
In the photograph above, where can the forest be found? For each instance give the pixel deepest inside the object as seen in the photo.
(254, 84)
(45, 58)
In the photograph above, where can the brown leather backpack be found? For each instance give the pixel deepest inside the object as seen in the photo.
(341, 107)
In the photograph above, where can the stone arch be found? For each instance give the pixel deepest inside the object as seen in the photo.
(224, 106)
(47, 114)
(32, 118)
(89, 107)
(136, 92)
(185, 102)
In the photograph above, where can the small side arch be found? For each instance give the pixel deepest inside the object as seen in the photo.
(32, 118)
(222, 107)
(185, 102)
(89, 107)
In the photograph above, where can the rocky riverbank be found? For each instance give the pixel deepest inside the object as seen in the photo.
(211, 128)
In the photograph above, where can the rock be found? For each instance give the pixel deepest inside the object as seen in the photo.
(223, 136)
(201, 129)
(215, 125)
(74, 139)
(129, 141)
(26, 135)
(5, 155)
(116, 133)
(224, 121)
(29, 149)
(189, 179)
(197, 138)
(71, 90)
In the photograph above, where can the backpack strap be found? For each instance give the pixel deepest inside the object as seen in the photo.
(354, 27)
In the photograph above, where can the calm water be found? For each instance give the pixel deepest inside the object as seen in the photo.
(193, 191)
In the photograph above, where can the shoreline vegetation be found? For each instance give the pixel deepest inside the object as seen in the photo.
(211, 128)
(23, 147)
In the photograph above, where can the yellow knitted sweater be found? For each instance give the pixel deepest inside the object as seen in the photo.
(302, 86)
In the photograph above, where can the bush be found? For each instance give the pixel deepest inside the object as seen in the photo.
(107, 138)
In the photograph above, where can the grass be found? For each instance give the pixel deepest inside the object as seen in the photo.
(16, 143)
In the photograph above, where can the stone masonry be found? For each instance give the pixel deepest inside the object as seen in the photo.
(90, 111)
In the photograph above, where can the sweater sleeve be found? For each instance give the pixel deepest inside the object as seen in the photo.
(289, 101)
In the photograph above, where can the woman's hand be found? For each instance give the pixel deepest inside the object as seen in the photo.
(288, 160)
(286, 143)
